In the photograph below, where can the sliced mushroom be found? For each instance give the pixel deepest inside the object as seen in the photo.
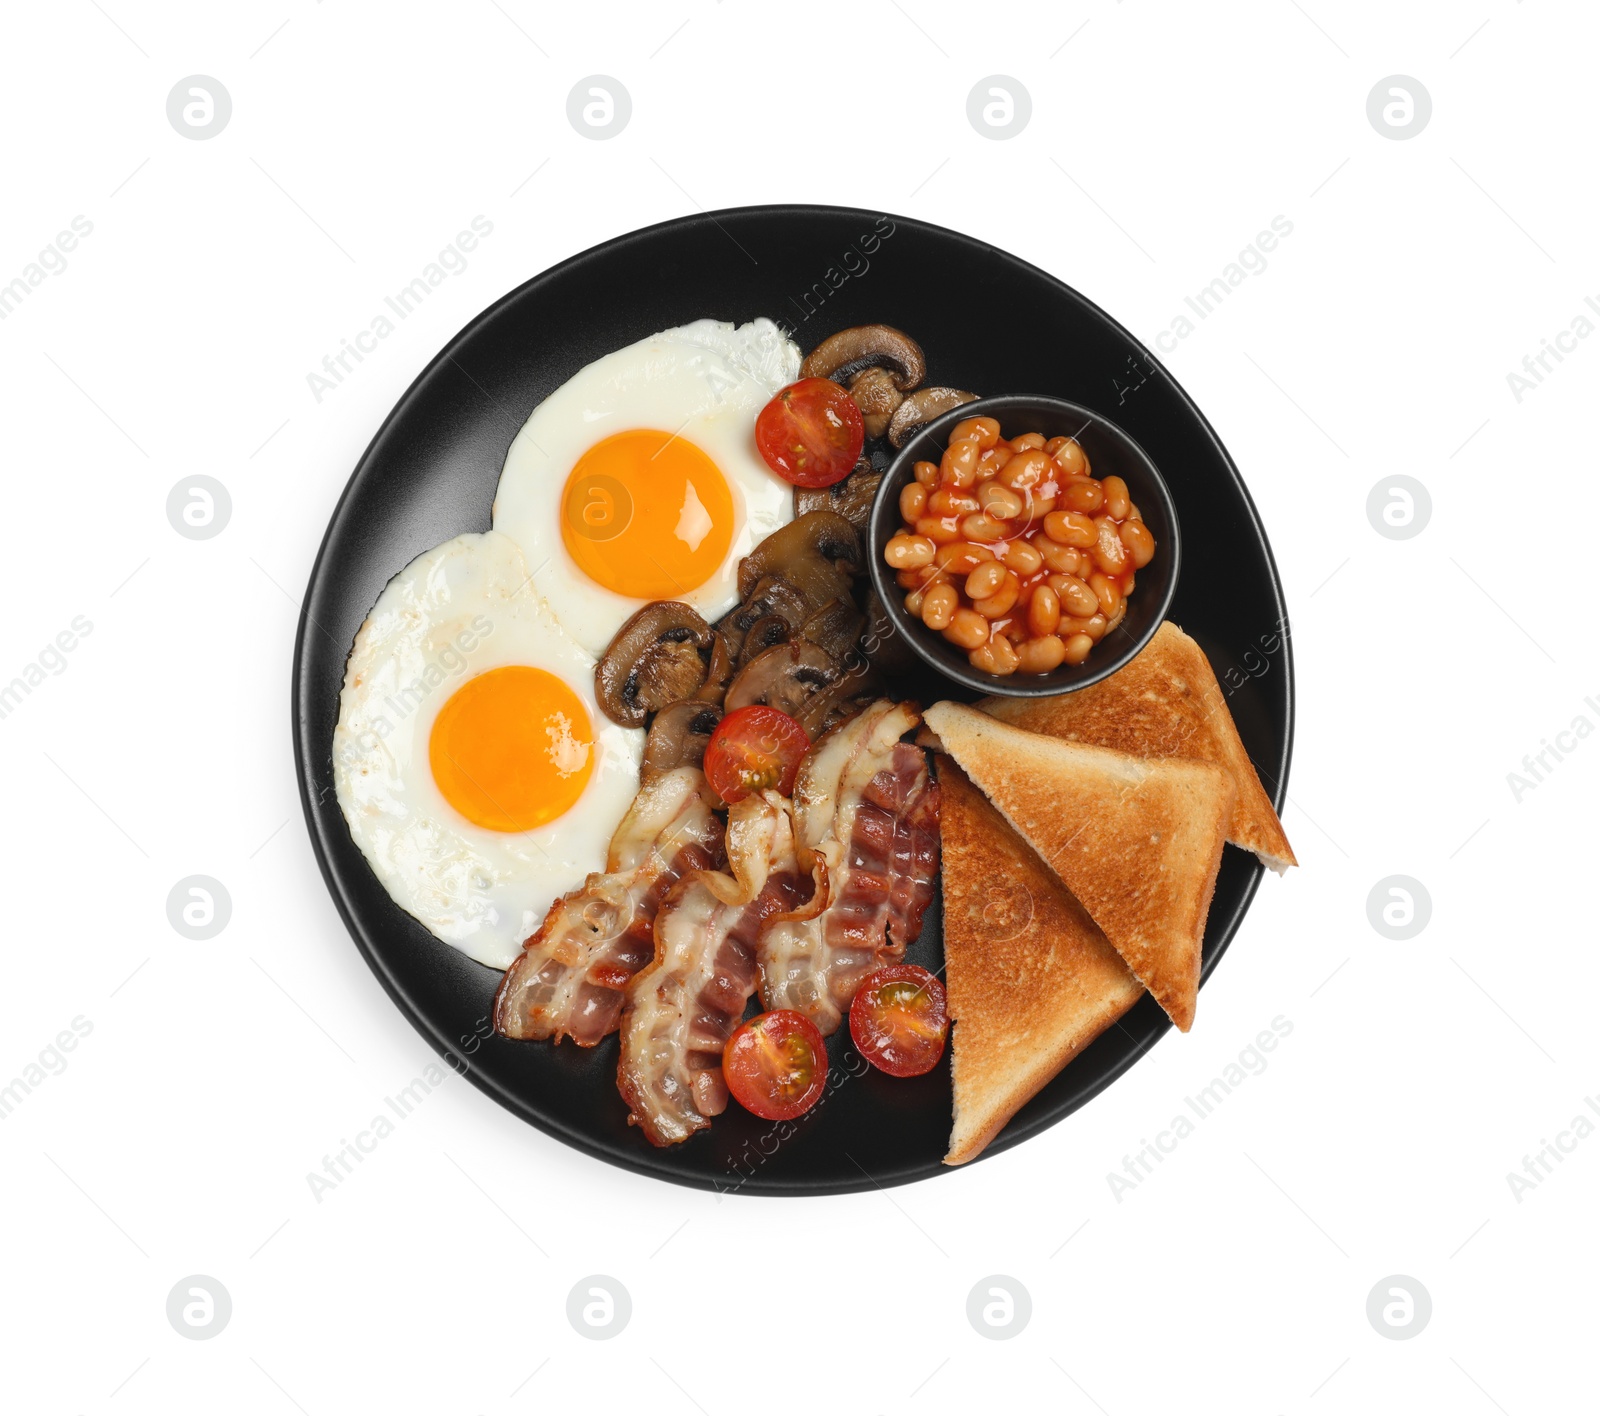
(786, 678)
(654, 660)
(877, 396)
(921, 407)
(851, 498)
(816, 553)
(841, 699)
(771, 595)
(766, 633)
(678, 737)
(719, 672)
(836, 627)
(843, 354)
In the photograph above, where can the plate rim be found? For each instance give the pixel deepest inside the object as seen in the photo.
(309, 792)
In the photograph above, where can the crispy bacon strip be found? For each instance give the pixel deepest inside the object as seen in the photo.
(682, 1009)
(867, 822)
(570, 979)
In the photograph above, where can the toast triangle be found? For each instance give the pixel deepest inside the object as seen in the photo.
(1030, 978)
(1137, 840)
(1165, 703)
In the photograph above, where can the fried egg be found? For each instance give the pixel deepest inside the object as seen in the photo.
(475, 770)
(639, 479)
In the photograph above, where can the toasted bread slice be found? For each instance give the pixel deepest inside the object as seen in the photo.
(1031, 980)
(1137, 839)
(1166, 703)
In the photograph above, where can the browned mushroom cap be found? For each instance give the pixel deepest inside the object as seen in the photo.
(836, 627)
(877, 396)
(816, 553)
(654, 660)
(845, 353)
(831, 704)
(771, 595)
(719, 672)
(766, 633)
(851, 498)
(678, 737)
(921, 407)
(785, 678)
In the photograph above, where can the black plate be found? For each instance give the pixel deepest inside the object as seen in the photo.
(988, 322)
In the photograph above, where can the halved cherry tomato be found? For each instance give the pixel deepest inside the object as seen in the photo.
(811, 433)
(776, 1065)
(898, 1020)
(754, 748)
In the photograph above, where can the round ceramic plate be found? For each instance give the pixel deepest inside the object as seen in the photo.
(430, 474)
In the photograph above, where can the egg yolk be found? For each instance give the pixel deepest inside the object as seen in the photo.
(647, 514)
(512, 749)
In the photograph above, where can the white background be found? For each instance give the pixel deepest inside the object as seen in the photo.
(177, 341)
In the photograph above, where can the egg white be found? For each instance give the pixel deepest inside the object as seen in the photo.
(457, 611)
(705, 382)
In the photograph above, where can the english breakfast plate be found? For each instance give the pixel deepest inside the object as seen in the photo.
(420, 501)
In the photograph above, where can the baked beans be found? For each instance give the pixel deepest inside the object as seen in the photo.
(1014, 551)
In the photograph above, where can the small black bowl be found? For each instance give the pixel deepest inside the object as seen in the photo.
(1111, 452)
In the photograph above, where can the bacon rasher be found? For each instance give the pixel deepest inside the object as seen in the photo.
(867, 825)
(684, 1006)
(570, 979)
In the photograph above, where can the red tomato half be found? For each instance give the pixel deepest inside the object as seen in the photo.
(898, 1020)
(754, 748)
(811, 433)
(776, 1065)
